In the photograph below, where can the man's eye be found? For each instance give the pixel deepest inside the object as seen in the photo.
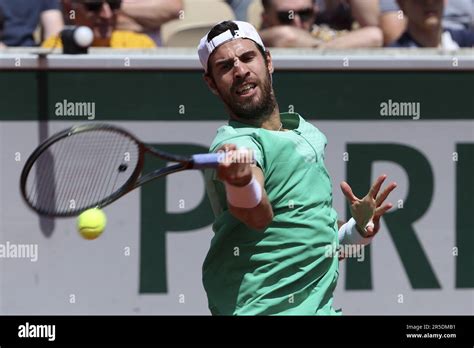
(226, 66)
(247, 59)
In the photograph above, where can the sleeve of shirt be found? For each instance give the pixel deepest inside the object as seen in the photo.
(464, 38)
(388, 6)
(51, 5)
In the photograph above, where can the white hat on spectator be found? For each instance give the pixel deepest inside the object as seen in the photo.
(245, 31)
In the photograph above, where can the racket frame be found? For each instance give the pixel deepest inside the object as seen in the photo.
(132, 183)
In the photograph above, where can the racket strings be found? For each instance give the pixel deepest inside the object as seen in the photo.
(100, 188)
(113, 179)
(64, 172)
(44, 192)
(80, 171)
(63, 167)
(91, 183)
(84, 186)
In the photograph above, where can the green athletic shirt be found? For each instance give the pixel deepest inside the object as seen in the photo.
(283, 269)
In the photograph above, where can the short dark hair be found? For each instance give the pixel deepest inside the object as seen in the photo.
(2, 22)
(222, 27)
(266, 4)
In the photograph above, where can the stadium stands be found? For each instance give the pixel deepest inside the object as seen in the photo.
(195, 22)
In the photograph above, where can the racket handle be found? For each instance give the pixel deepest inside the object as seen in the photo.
(212, 160)
(207, 160)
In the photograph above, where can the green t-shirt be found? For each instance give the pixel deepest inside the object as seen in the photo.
(283, 269)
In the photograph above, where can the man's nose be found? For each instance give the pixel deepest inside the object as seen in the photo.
(240, 69)
(297, 22)
(105, 11)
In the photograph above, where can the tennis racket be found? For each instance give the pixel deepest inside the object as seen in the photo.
(92, 166)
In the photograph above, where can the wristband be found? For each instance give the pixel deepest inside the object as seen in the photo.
(348, 234)
(248, 196)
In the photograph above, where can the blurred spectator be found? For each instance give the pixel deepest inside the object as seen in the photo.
(147, 16)
(240, 8)
(2, 19)
(347, 14)
(22, 18)
(291, 23)
(101, 17)
(458, 14)
(425, 27)
(392, 21)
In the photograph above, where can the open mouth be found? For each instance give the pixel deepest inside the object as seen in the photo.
(430, 13)
(246, 89)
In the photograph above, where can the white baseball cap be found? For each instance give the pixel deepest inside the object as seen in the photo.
(245, 31)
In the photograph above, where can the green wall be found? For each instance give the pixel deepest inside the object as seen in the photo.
(161, 95)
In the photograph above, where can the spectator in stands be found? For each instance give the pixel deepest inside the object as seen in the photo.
(101, 17)
(347, 14)
(392, 21)
(458, 14)
(291, 23)
(22, 18)
(425, 29)
(147, 16)
(240, 8)
(2, 19)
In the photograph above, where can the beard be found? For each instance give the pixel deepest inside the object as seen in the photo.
(256, 109)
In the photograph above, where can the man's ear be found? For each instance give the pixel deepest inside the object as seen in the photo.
(270, 67)
(210, 83)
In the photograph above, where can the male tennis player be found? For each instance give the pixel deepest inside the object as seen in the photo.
(274, 220)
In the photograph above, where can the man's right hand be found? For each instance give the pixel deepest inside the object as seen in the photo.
(240, 173)
(231, 171)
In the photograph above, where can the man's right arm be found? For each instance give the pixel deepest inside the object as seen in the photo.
(246, 196)
(260, 216)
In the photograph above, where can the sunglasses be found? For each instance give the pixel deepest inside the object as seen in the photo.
(96, 5)
(286, 17)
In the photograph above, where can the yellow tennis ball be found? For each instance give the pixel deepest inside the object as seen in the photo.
(91, 223)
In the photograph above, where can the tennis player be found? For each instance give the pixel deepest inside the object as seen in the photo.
(273, 219)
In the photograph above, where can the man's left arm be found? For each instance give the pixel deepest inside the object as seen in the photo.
(366, 212)
(363, 37)
(152, 13)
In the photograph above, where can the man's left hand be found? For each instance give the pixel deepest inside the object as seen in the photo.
(371, 207)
